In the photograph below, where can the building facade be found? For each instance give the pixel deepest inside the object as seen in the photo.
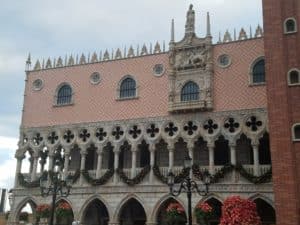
(117, 123)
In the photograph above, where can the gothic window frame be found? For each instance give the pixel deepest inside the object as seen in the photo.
(119, 97)
(252, 67)
(295, 139)
(289, 77)
(59, 87)
(286, 31)
(189, 100)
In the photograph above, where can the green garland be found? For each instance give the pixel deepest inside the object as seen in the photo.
(102, 180)
(264, 178)
(31, 184)
(177, 179)
(137, 179)
(75, 176)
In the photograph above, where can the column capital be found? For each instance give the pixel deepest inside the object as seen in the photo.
(152, 147)
(171, 146)
(232, 144)
(117, 148)
(83, 149)
(211, 145)
(190, 145)
(134, 147)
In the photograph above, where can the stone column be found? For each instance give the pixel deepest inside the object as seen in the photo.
(83, 153)
(35, 164)
(171, 156)
(116, 162)
(133, 159)
(190, 146)
(255, 159)
(99, 160)
(152, 161)
(232, 154)
(66, 164)
(18, 169)
(211, 148)
(50, 155)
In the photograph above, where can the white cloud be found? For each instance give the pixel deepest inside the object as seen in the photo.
(8, 143)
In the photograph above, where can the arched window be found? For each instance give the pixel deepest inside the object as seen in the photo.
(258, 72)
(290, 25)
(64, 95)
(296, 132)
(190, 92)
(128, 88)
(294, 77)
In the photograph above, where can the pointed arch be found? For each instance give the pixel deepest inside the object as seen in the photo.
(216, 203)
(161, 204)
(265, 209)
(89, 201)
(118, 209)
(27, 200)
(66, 219)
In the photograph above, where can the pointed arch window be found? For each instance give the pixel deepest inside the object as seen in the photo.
(64, 95)
(128, 88)
(258, 71)
(190, 92)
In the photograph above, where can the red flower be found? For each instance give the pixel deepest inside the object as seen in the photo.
(238, 211)
(205, 207)
(175, 207)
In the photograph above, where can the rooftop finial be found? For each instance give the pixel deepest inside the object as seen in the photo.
(28, 62)
(190, 21)
(208, 32)
(172, 31)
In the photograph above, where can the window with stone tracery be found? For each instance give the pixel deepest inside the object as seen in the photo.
(190, 92)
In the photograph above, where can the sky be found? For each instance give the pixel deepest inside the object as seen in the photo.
(59, 27)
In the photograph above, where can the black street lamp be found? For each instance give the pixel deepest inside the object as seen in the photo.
(189, 186)
(57, 185)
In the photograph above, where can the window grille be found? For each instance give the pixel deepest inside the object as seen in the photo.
(128, 88)
(190, 92)
(64, 95)
(259, 72)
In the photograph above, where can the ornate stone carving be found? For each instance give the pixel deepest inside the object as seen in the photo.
(191, 60)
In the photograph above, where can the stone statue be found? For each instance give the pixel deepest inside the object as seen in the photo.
(190, 21)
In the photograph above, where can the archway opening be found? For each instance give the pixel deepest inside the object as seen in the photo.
(217, 211)
(244, 151)
(162, 212)
(63, 213)
(132, 213)
(27, 213)
(95, 214)
(264, 150)
(201, 156)
(265, 211)
(221, 151)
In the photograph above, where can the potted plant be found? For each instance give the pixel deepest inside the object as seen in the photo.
(237, 211)
(63, 210)
(175, 214)
(43, 212)
(203, 213)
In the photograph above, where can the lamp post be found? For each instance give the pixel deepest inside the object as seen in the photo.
(189, 186)
(57, 185)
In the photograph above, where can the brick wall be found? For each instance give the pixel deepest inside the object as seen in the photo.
(283, 53)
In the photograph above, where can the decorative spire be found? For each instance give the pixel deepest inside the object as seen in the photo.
(234, 34)
(138, 50)
(144, 50)
(208, 32)
(106, 56)
(82, 59)
(43, 64)
(59, 62)
(227, 37)
(37, 65)
(130, 52)
(164, 46)
(219, 41)
(251, 32)
(259, 31)
(48, 64)
(190, 21)
(28, 62)
(71, 61)
(118, 54)
(172, 31)
(157, 48)
(94, 58)
(243, 34)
